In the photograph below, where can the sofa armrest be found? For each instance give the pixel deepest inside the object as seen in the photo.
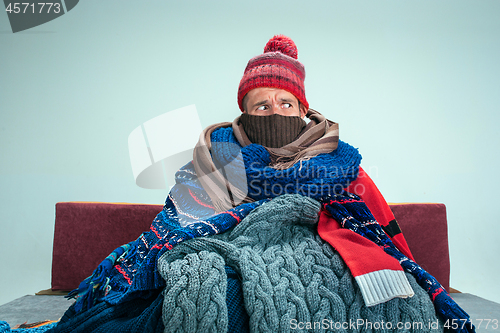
(87, 232)
(425, 228)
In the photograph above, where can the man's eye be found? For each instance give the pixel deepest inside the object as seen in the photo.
(287, 105)
(262, 108)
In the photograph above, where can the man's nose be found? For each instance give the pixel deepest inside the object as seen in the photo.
(274, 108)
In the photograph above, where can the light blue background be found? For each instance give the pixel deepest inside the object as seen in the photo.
(414, 84)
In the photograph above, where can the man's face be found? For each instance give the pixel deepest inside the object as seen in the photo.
(268, 101)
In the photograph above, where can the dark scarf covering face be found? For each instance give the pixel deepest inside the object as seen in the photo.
(274, 131)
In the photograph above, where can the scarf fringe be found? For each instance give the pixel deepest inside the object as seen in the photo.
(97, 286)
(383, 285)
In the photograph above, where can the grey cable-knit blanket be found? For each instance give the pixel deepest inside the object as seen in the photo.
(292, 280)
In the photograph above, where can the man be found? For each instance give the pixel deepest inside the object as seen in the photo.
(272, 98)
(236, 246)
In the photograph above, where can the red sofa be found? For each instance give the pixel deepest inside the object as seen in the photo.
(86, 232)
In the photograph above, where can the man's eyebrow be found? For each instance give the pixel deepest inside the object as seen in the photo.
(261, 103)
(288, 100)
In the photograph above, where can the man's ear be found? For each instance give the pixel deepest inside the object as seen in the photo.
(244, 103)
(303, 110)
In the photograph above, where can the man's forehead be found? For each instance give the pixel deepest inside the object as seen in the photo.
(264, 92)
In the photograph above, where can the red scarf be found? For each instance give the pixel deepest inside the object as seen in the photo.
(379, 276)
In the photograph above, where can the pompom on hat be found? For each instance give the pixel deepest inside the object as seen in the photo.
(277, 67)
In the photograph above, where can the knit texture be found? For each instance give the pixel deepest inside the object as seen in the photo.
(289, 275)
(274, 131)
(352, 213)
(139, 315)
(236, 313)
(144, 315)
(189, 214)
(277, 67)
(318, 177)
(131, 270)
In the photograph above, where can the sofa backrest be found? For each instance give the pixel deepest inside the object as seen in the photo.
(87, 232)
(425, 228)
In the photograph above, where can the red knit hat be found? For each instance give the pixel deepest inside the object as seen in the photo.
(277, 67)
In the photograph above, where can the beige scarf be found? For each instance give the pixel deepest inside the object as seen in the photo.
(319, 136)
